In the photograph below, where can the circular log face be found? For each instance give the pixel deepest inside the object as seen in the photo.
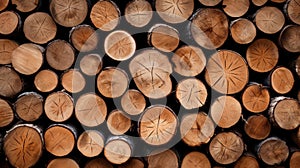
(195, 160)
(46, 81)
(117, 151)
(236, 8)
(6, 113)
(166, 159)
(99, 163)
(282, 80)
(257, 127)
(10, 82)
(210, 2)
(247, 162)
(91, 64)
(289, 38)
(3, 4)
(138, 13)
(73, 81)
(243, 31)
(118, 123)
(132, 163)
(63, 163)
(84, 38)
(293, 11)
(295, 160)
(133, 102)
(6, 48)
(256, 98)
(259, 2)
(9, 22)
(90, 143)
(25, 6)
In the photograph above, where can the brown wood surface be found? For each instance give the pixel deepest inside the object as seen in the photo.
(257, 127)
(62, 163)
(6, 113)
(98, 163)
(3, 4)
(90, 143)
(296, 137)
(247, 161)
(138, 13)
(11, 83)
(91, 64)
(210, 2)
(133, 102)
(165, 159)
(235, 8)
(73, 81)
(195, 159)
(278, 1)
(9, 22)
(259, 2)
(46, 80)
(282, 80)
(118, 123)
(293, 11)
(84, 38)
(243, 31)
(133, 163)
(289, 38)
(295, 160)
(117, 151)
(25, 6)
(7, 46)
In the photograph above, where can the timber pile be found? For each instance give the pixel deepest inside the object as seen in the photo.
(79, 82)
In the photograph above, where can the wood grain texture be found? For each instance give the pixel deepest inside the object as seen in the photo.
(235, 8)
(293, 10)
(166, 159)
(133, 102)
(84, 38)
(73, 81)
(90, 143)
(46, 80)
(118, 122)
(117, 151)
(138, 13)
(289, 38)
(6, 113)
(282, 80)
(91, 64)
(11, 83)
(26, 6)
(62, 162)
(9, 22)
(243, 31)
(257, 127)
(195, 159)
(7, 46)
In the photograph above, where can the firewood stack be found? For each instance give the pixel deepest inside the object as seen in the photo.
(142, 83)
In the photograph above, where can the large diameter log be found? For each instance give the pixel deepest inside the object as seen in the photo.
(46, 80)
(133, 102)
(118, 123)
(7, 46)
(138, 13)
(9, 22)
(242, 31)
(91, 64)
(247, 161)
(90, 143)
(62, 163)
(210, 2)
(98, 162)
(6, 113)
(166, 159)
(84, 38)
(133, 163)
(118, 150)
(282, 80)
(235, 8)
(11, 83)
(292, 9)
(257, 127)
(26, 6)
(289, 38)
(195, 159)
(73, 81)
(295, 160)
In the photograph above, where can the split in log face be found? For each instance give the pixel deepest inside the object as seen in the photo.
(112, 82)
(209, 28)
(133, 102)
(166, 159)
(59, 140)
(256, 98)
(73, 81)
(98, 163)
(257, 127)
(189, 61)
(210, 2)
(119, 45)
(90, 143)
(84, 38)
(39, 28)
(227, 72)
(132, 163)
(60, 55)
(269, 20)
(151, 71)
(295, 160)
(191, 93)
(9, 22)
(259, 2)
(195, 160)
(105, 15)
(46, 80)
(25, 6)
(63, 163)
(6, 48)
(289, 38)
(158, 125)
(235, 8)
(262, 55)
(174, 11)
(91, 64)
(29, 106)
(163, 37)
(118, 123)
(10, 82)
(196, 129)
(59, 106)
(90, 110)
(6, 114)
(23, 146)
(243, 31)
(293, 11)
(138, 13)
(3, 4)
(117, 151)
(27, 59)
(226, 111)
(282, 80)
(226, 148)
(247, 162)
(68, 13)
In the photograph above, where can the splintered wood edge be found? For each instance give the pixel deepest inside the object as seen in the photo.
(293, 10)
(117, 151)
(73, 81)
(289, 38)
(84, 38)
(11, 83)
(98, 162)
(167, 158)
(256, 98)
(245, 161)
(243, 31)
(133, 102)
(235, 8)
(118, 123)
(295, 160)
(26, 6)
(210, 2)
(7, 46)
(194, 159)
(133, 163)
(90, 143)
(282, 80)
(257, 127)
(63, 162)
(91, 64)
(9, 22)
(138, 13)
(46, 80)
(6, 113)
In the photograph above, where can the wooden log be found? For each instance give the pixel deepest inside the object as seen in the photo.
(262, 55)
(257, 127)
(23, 145)
(166, 159)
(118, 150)
(284, 113)
(98, 162)
(118, 123)
(59, 106)
(132, 163)
(90, 110)
(269, 19)
(247, 161)
(163, 37)
(297, 65)
(292, 9)
(3, 4)
(62, 162)
(235, 8)
(295, 160)
(112, 82)
(288, 38)
(226, 148)
(259, 2)
(11, 83)
(84, 38)
(226, 111)
(138, 13)
(227, 72)
(119, 45)
(273, 151)
(207, 34)
(29, 106)
(133, 102)
(68, 13)
(210, 2)
(6, 113)
(26, 6)
(157, 125)
(189, 60)
(105, 15)
(174, 11)
(91, 64)
(242, 31)
(7, 46)
(60, 55)
(73, 81)
(9, 22)
(90, 143)
(46, 80)
(196, 129)
(278, 1)
(282, 80)
(195, 159)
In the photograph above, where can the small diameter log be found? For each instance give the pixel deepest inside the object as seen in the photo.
(105, 15)
(195, 160)
(39, 28)
(166, 159)
(46, 80)
(282, 80)
(98, 162)
(132, 163)
(196, 129)
(6, 48)
(118, 150)
(227, 72)
(90, 143)
(226, 147)
(226, 111)
(23, 145)
(6, 113)
(173, 11)
(27, 59)
(9, 22)
(90, 110)
(289, 38)
(91, 64)
(235, 8)
(295, 160)
(25, 6)
(285, 113)
(133, 102)
(209, 28)
(269, 19)
(210, 2)
(10, 82)
(163, 37)
(262, 55)
(29, 106)
(257, 127)
(62, 163)
(73, 81)
(259, 2)
(59, 140)
(189, 60)
(3, 4)
(118, 123)
(247, 161)
(59, 106)
(242, 31)
(191, 93)
(157, 125)
(119, 45)
(112, 82)
(60, 55)
(138, 13)
(84, 38)
(151, 71)
(273, 151)
(293, 10)
(68, 13)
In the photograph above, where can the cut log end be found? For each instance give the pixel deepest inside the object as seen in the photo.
(98, 162)
(166, 159)
(259, 2)
(3, 4)
(282, 80)
(133, 102)
(62, 162)
(210, 2)
(9, 22)
(256, 98)
(91, 64)
(195, 160)
(247, 162)
(73, 81)
(295, 160)
(6, 48)
(90, 143)
(242, 31)
(117, 151)
(236, 8)
(118, 123)
(132, 163)
(289, 38)
(257, 127)
(6, 113)
(46, 80)
(138, 13)
(84, 38)
(25, 6)
(11, 83)
(293, 11)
